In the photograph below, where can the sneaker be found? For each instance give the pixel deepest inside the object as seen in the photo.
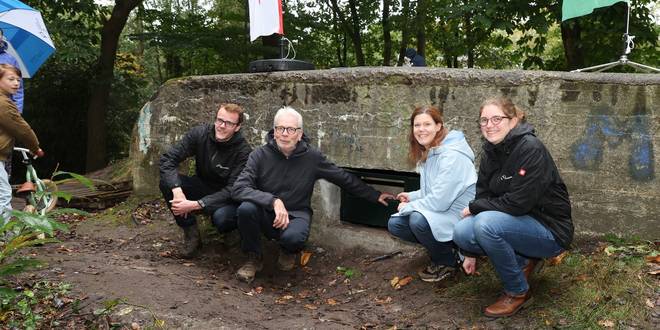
(436, 273)
(248, 271)
(286, 261)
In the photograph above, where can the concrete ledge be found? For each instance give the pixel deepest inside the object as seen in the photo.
(601, 129)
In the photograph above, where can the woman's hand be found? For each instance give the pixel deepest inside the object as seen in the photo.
(403, 197)
(465, 212)
(401, 206)
(470, 265)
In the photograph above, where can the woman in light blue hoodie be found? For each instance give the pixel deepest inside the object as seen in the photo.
(427, 216)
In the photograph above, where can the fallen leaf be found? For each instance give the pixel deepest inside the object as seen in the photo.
(304, 294)
(165, 254)
(304, 258)
(403, 282)
(394, 281)
(188, 264)
(606, 323)
(649, 303)
(333, 282)
(582, 277)
(310, 306)
(331, 302)
(654, 272)
(557, 259)
(653, 259)
(258, 289)
(386, 300)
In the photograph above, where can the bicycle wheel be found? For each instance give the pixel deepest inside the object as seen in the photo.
(45, 202)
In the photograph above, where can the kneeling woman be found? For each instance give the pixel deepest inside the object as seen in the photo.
(427, 216)
(521, 213)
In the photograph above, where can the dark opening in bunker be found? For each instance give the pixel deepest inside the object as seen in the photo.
(360, 211)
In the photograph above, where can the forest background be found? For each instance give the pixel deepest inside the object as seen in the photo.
(113, 55)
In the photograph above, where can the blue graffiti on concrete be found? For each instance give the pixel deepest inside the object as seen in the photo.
(603, 128)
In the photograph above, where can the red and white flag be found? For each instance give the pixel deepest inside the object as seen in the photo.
(265, 18)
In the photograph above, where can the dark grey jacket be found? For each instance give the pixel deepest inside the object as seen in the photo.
(218, 164)
(518, 176)
(269, 174)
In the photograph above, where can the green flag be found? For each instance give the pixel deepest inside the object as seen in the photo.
(576, 8)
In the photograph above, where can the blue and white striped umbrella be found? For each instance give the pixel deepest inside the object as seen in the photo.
(26, 35)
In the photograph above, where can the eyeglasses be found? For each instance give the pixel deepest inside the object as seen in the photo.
(226, 123)
(496, 120)
(290, 130)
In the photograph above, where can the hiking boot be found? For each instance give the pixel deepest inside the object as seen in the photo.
(286, 261)
(533, 267)
(191, 241)
(249, 269)
(507, 305)
(436, 273)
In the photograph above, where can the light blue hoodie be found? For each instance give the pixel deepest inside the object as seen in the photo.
(447, 185)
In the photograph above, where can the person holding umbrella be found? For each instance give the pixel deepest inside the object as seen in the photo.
(12, 128)
(6, 58)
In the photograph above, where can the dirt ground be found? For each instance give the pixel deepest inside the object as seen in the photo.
(137, 262)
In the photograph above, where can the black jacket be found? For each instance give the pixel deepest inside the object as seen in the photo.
(518, 176)
(218, 164)
(269, 174)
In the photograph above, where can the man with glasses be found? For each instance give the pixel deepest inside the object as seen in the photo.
(220, 153)
(275, 189)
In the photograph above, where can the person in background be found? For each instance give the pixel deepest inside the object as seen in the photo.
(521, 213)
(275, 191)
(413, 58)
(427, 216)
(13, 128)
(6, 58)
(220, 153)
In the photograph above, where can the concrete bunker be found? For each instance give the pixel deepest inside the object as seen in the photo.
(601, 129)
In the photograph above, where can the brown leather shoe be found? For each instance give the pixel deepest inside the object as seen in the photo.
(507, 305)
(533, 267)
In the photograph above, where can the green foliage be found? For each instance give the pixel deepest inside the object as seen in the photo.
(29, 307)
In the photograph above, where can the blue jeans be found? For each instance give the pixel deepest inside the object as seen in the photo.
(5, 195)
(508, 241)
(415, 229)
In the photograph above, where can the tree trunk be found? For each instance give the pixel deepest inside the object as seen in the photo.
(570, 37)
(354, 31)
(355, 35)
(469, 39)
(422, 7)
(405, 30)
(100, 89)
(387, 36)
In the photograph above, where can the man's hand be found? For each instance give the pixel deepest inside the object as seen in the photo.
(465, 212)
(40, 153)
(181, 206)
(384, 197)
(281, 215)
(470, 265)
(403, 197)
(401, 205)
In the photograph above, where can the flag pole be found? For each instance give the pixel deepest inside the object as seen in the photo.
(628, 45)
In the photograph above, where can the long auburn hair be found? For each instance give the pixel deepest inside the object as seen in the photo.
(417, 152)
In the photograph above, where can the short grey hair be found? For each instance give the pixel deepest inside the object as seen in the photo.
(288, 111)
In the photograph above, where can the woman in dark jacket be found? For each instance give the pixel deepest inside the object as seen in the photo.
(521, 212)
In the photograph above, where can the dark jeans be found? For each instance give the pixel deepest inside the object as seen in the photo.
(223, 218)
(415, 228)
(254, 220)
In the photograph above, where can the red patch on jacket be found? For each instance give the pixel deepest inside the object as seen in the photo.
(522, 172)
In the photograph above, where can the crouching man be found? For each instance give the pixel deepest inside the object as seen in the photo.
(275, 191)
(220, 153)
